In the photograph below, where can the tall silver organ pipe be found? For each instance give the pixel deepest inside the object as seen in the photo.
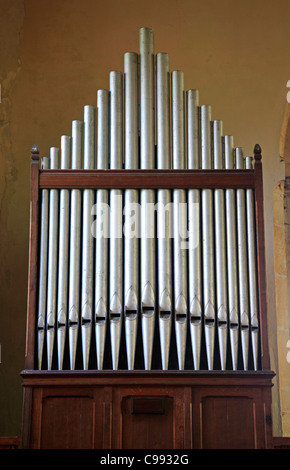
(179, 217)
(194, 248)
(102, 228)
(147, 196)
(87, 241)
(232, 266)
(164, 213)
(41, 318)
(242, 263)
(116, 224)
(127, 272)
(52, 261)
(207, 238)
(62, 304)
(220, 247)
(75, 246)
(131, 213)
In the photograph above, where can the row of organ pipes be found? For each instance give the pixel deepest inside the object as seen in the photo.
(198, 276)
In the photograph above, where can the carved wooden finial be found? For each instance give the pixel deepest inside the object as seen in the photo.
(257, 152)
(35, 152)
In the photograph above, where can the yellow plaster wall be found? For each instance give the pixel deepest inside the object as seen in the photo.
(55, 54)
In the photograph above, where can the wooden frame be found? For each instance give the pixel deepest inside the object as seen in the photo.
(186, 390)
(118, 179)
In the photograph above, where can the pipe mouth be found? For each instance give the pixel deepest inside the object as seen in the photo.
(131, 314)
(147, 311)
(222, 323)
(180, 317)
(209, 322)
(195, 319)
(100, 320)
(164, 314)
(86, 321)
(115, 317)
(234, 326)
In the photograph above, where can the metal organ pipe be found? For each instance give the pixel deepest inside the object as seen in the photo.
(116, 253)
(220, 248)
(179, 217)
(43, 267)
(207, 239)
(87, 241)
(232, 256)
(194, 249)
(164, 213)
(147, 196)
(62, 304)
(75, 246)
(131, 213)
(102, 228)
(242, 263)
(52, 261)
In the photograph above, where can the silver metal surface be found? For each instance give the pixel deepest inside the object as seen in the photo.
(75, 246)
(164, 213)
(179, 217)
(147, 100)
(242, 262)
(231, 230)
(131, 215)
(41, 318)
(207, 239)
(87, 238)
(52, 261)
(63, 249)
(220, 248)
(102, 228)
(147, 197)
(194, 248)
(116, 250)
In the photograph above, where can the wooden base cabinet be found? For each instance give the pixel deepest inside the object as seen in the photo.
(147, 410)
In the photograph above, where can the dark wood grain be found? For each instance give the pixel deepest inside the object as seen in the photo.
(33, 258)
(150, 179)
(201, 410)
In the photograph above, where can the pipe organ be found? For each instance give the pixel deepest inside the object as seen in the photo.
(146, 291)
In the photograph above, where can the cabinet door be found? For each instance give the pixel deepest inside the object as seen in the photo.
(67, 419)
(228, 419)
(148, 418)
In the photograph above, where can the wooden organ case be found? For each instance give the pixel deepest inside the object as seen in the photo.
(147, 315)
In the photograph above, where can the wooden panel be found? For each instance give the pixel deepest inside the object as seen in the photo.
(151, 417)
(281, 442)
(72, 417)
(150, 427)
(10, 442)
(148, 179)
(153, 409)
(228, 423)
